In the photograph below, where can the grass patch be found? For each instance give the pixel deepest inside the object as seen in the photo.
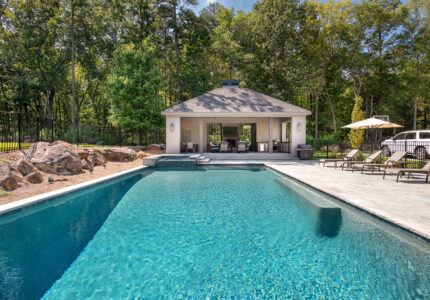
(5, 146)
(323, 154)
(3, 193)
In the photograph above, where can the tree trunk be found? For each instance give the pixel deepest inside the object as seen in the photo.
(416, 98)
(316, 116)
(165, 64)
(381, 80)
(72, 34)
(333, 115)
(178, 58)
(46, 106)
(51, 103)
(139, 137)
(118, 136)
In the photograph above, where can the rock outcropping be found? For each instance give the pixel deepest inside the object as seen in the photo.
(57, 158)
(10, 177)
(35, 177)
(119, 154)
(25, 167)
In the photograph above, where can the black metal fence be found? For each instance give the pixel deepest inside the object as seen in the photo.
(324, 148)
(417, 152)
(18, 131)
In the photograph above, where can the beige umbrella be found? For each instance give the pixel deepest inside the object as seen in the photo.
(371, 123)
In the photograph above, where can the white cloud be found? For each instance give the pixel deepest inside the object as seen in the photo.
(210, 1)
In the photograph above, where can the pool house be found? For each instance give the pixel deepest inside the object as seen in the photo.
(234, 122)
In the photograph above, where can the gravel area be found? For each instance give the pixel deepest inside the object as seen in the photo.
(61, 181)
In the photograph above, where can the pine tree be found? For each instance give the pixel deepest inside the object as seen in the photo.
(356, 136)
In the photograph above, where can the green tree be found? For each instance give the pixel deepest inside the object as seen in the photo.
(356, 136)
(133, 89)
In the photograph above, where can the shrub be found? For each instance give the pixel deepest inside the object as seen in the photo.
(356, 136)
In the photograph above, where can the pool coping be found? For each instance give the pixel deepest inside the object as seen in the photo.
(9, 208)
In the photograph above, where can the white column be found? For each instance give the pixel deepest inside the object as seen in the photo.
(283, 131)
(173, 135)
(298, 133)
(201, 136)
(270, 135)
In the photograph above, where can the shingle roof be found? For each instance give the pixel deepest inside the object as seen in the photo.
(235, 100)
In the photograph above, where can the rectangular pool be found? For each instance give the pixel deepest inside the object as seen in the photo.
(221, 232)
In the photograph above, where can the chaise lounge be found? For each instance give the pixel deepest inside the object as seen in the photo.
(400, 172)
(370, 159)
(349, 156)
(390, 162)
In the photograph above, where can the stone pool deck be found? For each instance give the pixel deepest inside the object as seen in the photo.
(405, 203)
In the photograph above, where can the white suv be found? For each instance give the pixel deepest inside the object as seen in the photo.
(415, 142)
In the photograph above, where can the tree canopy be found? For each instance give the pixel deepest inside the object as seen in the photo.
(320, 56)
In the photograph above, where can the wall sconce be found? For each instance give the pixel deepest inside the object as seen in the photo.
(172, 127)
(299, 127)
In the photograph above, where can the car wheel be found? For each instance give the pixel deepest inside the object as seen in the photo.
(420, 153)
(386, 151)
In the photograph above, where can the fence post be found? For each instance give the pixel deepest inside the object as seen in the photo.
(326, 143)
(52, 130)
(19, 131)
(37, 129)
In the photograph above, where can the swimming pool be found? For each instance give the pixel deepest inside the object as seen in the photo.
(201, 233)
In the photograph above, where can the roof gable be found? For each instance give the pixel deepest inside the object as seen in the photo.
(234, 100)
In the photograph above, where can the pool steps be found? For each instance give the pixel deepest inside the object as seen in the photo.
(176, 161)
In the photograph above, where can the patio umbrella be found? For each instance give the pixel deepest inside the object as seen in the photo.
(371, 123)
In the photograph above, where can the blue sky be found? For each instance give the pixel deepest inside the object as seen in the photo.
(245, 5)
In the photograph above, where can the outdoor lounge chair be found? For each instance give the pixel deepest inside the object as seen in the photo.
(390, 162)
(371, 158)
(223, 147)
(402, 171)
(349, 156)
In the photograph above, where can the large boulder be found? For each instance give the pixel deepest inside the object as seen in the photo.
(91, 141)
(83, 153)
(10, 178)
(58, 158)
(85, 164)
(35, 177)
(137, 148)
(119, 154)
(142, 154)
(96, 158)
(25, 167)
(154, 147)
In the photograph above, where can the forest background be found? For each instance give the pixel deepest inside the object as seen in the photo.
(107, 62)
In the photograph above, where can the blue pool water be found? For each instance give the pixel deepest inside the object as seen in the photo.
(206, 233)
